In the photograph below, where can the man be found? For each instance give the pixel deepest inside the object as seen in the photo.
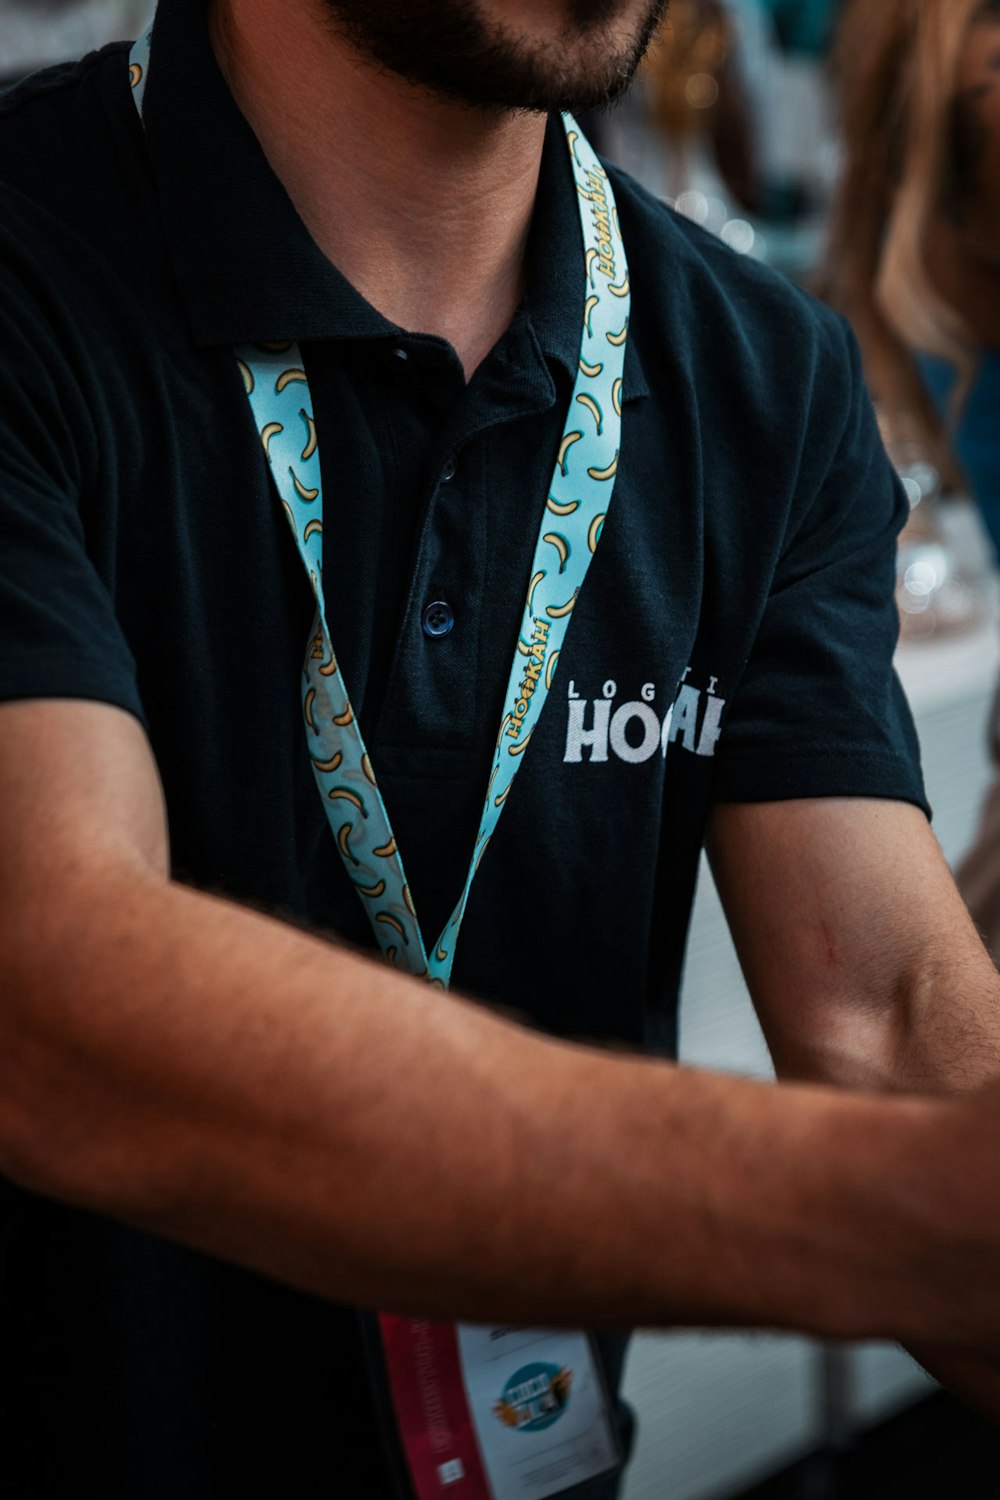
(222, 1132)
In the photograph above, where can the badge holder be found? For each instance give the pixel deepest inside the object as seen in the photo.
(498, 1413)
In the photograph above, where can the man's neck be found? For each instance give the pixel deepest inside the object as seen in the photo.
(423, 204)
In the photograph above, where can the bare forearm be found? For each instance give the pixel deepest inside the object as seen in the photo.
(221, 1078)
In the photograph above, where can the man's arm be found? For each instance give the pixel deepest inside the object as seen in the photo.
(213, 1075)
(863, 962)
(864, 965)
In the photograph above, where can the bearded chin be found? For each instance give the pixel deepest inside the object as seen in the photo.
(457, 50)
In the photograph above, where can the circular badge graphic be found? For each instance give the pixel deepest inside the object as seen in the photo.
(534, 1397)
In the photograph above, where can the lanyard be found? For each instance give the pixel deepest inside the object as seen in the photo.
(570, 530)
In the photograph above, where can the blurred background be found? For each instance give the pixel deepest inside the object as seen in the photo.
(850, 145)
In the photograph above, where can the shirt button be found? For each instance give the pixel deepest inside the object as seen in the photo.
(400, 352)
(438, 619)
(447, 470)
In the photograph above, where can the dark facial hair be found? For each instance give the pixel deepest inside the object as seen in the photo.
(454, 49)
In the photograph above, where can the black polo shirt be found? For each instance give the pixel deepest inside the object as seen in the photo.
(744, 577)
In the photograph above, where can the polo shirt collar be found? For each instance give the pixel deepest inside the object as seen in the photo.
(247, 267)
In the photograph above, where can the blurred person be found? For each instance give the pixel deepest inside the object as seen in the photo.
(698, 99)
(913, 261)
(330, 330)
(804, 26)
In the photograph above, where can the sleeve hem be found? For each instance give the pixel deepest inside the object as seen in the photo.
(58, 674)
(834, 773)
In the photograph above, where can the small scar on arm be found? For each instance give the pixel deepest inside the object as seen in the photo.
(828, 945)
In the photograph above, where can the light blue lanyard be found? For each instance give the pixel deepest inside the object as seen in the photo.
(572, 521)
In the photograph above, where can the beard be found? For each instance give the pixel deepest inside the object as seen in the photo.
(457, 50)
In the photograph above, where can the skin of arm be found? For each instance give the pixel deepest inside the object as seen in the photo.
(864, 966)
(212, 1075)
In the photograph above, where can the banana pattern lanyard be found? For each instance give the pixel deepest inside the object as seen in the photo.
(572, 520)
(461, 1362)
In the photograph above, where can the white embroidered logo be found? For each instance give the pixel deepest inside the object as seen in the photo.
(634, 730)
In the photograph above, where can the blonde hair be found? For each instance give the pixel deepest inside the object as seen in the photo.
(895, 69)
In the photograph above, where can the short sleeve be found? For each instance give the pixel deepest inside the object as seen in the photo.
(819, 711)
(58, 633)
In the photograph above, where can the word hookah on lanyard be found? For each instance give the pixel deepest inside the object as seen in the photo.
(572, 521)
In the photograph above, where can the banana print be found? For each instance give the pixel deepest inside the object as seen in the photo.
(371, 892)
(312, 442)
(588, 312)
(499, 801)
(248, 380)
(521, 745)
(555, 612)
(608, 473)
(394, 923)
(304, 494)
(307, 708)
(366, 766)
(594, 534)
(330, 669)
(270, 431)
(591, 258)
(572, 137)
(291, 519)
(347, 717)
(532, 586)
(594, 409)
(616, 396)
(479, 857)
(564, 447)
(550, 668)
(344, 844)
(409, 901)
(314, 528)
(619, 289)
(440, 954)
(287, 378)
(281, 346)
(344, 794)
(618, 339)
(387, 850)
(565, 509)
(134, 75)
(591, 371)
(328, 766)
(562, 546)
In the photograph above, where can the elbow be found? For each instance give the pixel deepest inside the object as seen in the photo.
(855, 1047)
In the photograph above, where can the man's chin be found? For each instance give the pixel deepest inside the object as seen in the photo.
(458, 51)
